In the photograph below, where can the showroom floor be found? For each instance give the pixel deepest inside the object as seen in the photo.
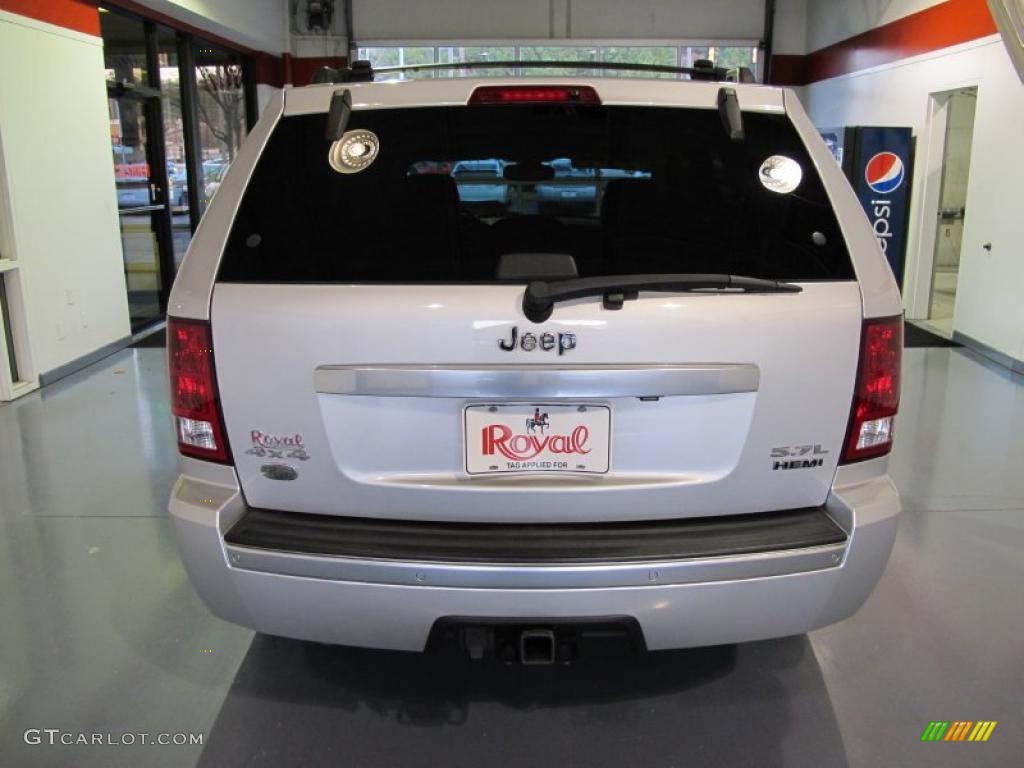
(100, 631)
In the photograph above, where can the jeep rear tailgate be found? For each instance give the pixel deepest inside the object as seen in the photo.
(393, 454)
(372, 363)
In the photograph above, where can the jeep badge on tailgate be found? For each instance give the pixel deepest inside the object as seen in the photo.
(547, 341)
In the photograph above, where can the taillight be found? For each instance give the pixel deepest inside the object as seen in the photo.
(194, 399)
(526, 94)
(877, 396)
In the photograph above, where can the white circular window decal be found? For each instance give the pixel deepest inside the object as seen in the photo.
(354, 151)
(780, 174)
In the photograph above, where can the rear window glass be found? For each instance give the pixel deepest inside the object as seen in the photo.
(624, 190)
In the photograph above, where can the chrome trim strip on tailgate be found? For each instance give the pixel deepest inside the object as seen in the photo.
(510, 381)
(472, 576)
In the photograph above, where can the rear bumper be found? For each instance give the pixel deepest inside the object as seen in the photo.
(677, 603)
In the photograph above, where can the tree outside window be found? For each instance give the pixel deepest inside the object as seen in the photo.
(221, 110)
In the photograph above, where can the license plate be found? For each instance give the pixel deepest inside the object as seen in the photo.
(527, 437)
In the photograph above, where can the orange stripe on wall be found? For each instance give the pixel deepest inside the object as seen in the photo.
(70, 14)
(949, 23)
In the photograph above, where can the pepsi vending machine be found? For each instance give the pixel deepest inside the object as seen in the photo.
(878, 163)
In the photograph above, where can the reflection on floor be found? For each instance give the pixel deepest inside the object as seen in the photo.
(143, 309)
(102, 632)
(916, 336)
(943, 300)
(156, 336)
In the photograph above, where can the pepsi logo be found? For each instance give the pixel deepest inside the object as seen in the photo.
(884, 172)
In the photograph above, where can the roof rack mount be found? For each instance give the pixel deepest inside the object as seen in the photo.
(702, 69)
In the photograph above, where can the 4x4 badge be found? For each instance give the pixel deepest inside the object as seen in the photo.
(545, 341)
(277, 446)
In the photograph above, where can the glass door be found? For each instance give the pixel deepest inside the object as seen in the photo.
(140, 168)
(179, 109)
(174, 142)
(141, 203)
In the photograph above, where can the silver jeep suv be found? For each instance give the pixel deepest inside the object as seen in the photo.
(660, 412)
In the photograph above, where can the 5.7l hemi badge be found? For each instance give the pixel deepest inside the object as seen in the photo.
(797, 457)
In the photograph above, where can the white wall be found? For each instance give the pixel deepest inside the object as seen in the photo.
(55, 138)
(258, 24)
(790, 33)
(989, 306)
(829, 21)
(685, 19)
(574, 19)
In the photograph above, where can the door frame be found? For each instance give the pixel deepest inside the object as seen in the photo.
(931, 154)
(149, 97)
(156, 155)
(147, 102)
(13, 327)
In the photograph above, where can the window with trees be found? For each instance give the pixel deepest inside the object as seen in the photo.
(221, 104)
(665, 54)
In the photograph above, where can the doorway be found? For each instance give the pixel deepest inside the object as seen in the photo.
(179, 108)
(141, 203)
(140, 171)
(958, 108)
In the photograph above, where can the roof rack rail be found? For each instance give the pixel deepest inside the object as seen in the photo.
(361, 71)
(702, 69)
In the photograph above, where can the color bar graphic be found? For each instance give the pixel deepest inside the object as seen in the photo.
(982, 730)
(958, 730)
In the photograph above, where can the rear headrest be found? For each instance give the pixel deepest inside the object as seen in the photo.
(433, 189)
(629, 201)
(528, 223)
(531, 234)
(614, 192)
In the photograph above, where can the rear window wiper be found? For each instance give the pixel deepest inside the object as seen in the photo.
(540, 297)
